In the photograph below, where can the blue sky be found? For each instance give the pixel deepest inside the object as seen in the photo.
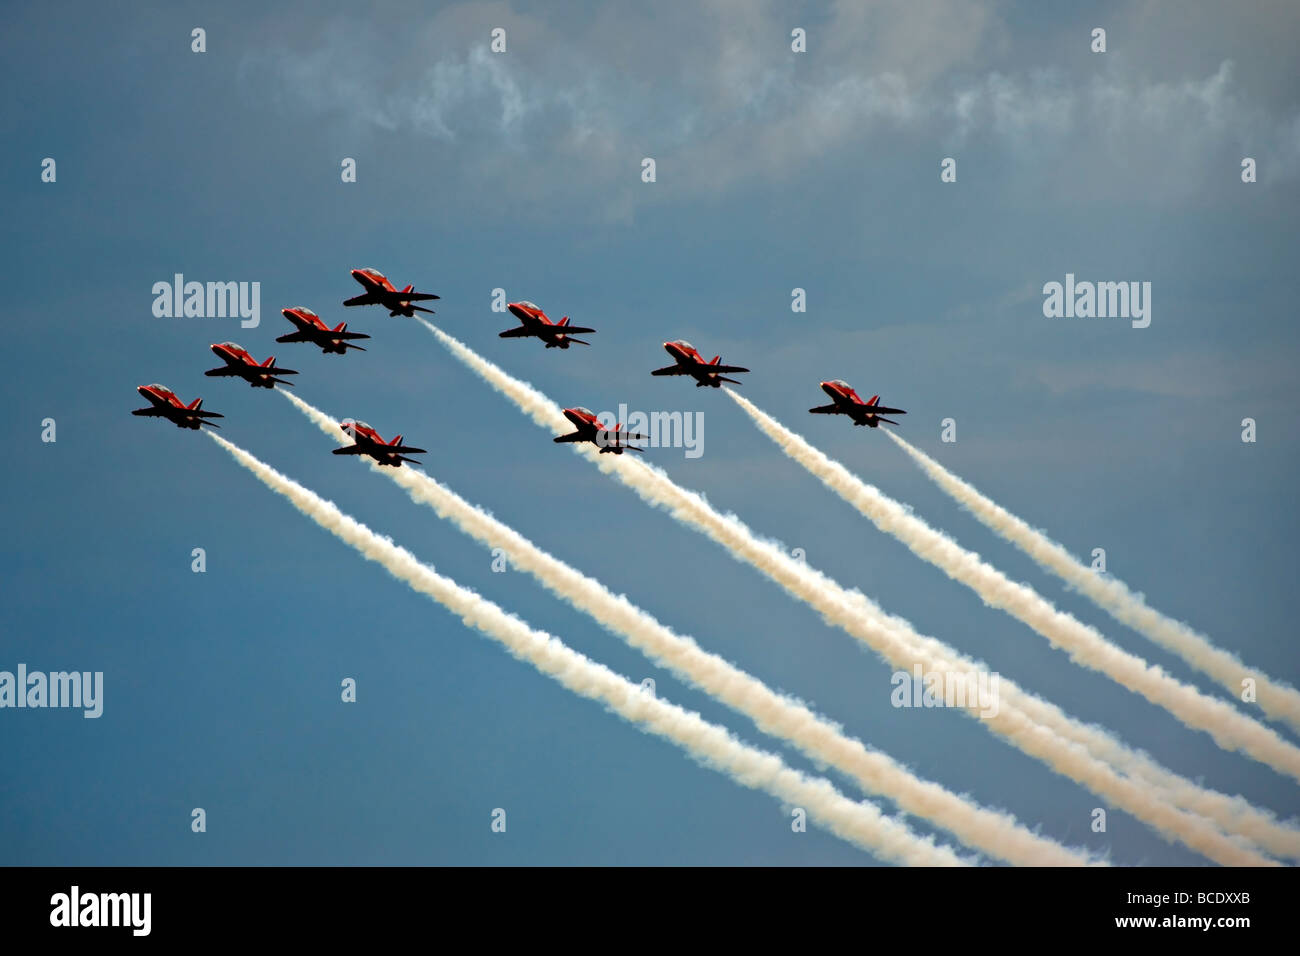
(521, 171)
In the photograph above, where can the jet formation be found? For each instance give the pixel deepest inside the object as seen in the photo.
(309, 328)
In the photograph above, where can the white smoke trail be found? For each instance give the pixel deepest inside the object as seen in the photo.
(1086, 646)
(997, 834)
(1036, 731)
(859, 823)
(1278, 700)
(1233, 813)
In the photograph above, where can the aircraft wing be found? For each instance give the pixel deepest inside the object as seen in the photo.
(724, 368)
(203, 414)
(877, 409)
(344, 335)
(295, 337)
(367, 298)
(831, 409)
(566, 329)
(518, 333)
(672, 370)
(279, 381)
(353, 450)
(153, 411)
(572, 437)
(225, 370)
(405, 449)
(415, 296)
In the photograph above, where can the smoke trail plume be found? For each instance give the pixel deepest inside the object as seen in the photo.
(1278, 700)
(1086, 646)
(996, 834)
(1070, 753)
(859, 823)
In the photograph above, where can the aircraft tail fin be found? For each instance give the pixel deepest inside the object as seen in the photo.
(564, 321)
(409, 288)
(874, 400)
(396, 441)
(270, 362)
(341, 327)
(716, 360)
(195, 405)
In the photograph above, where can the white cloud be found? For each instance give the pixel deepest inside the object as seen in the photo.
(720, 98)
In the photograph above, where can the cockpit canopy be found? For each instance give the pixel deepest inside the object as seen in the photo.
(529, 305)
(841, 383)
(684, 344)
(585, 411)
(231, 345)
(159, 388)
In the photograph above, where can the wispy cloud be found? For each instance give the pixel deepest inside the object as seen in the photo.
(721, 99)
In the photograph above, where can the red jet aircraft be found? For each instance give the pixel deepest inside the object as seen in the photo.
(554, 334)
(367, 442)
(242, 365)
(379, 291)
(847, 402)
(590, 429)
(690, 362)
(163, 403)
(312, 329)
